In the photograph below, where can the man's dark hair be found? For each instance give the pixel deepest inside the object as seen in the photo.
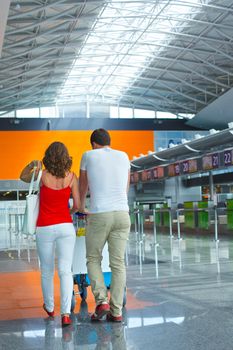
(101, 137)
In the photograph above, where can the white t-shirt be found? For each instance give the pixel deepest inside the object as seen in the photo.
(107, 173)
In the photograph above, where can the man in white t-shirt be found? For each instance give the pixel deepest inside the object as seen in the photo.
(105, 172)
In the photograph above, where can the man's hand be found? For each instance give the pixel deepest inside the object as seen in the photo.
(83, 211)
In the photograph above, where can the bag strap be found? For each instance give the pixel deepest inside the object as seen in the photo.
(37, 184)
(34, 187)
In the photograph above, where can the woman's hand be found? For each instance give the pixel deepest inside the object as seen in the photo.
(27, 172)
(35, 164)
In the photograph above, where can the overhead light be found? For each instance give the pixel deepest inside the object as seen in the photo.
(230, 125)
(197, 136)
(191, 148)
(171, 144)
(213, 131)
(142, 155)
(184, 141)
(159, 158)
(150, 152)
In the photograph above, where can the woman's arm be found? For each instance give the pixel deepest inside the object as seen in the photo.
(26, 173)
(83, 188)
(75, 195)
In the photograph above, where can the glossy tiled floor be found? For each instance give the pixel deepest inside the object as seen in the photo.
(184, 302)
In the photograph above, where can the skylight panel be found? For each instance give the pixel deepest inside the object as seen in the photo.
(120, 46)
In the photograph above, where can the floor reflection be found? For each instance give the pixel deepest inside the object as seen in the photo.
(179, 296)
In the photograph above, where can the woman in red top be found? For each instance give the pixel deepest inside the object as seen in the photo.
(55, 229)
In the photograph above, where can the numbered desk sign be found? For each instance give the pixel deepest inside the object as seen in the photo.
(185, 167)
(215, 160)
(228, 157)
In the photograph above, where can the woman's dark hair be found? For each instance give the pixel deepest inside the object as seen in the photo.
(101, 137)
(57, 160)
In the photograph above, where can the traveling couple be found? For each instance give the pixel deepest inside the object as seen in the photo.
(104, 172)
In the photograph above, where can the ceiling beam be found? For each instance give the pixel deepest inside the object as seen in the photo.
(5, 5)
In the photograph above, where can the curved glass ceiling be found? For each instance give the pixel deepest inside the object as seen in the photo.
(121, 45)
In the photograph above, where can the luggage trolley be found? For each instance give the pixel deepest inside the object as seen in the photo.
(79, 260)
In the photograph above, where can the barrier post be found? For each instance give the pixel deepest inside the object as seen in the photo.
(170, 222)
(178, 223)
(215, 224)
(155, 244)
(142, 235)
(170, 233)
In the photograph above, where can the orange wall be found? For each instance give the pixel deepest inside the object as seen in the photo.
(18, 148)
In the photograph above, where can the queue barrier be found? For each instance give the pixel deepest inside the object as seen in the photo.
(175, 216)
(11, 225)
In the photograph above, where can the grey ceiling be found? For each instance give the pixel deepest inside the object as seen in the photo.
(185, 71)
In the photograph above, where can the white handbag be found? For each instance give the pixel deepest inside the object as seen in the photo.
(32, 205)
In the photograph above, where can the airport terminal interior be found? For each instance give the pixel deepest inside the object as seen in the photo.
(158, 75)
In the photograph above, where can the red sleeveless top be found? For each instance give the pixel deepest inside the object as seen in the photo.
(54, 206)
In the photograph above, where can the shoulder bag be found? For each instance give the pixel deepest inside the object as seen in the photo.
(32, 205)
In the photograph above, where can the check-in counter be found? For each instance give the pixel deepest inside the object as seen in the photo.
(229, 203)
(203, 216)
(190, 219)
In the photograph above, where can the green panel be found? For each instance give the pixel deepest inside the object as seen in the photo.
(132, 215)
(158, 216)
(203, 216)
(230, 214)
(165, 215)
(189, 218)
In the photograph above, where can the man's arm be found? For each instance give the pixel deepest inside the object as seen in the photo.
(128, 183)
(83, 188)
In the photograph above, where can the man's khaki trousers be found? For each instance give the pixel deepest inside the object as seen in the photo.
(112, 227)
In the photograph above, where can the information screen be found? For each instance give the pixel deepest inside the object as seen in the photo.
(174, 169)
(155, 173)
(192, 165)
(177, 169)
(189, 166)
(136, 177)
(171, 170)
(211, 161)
(149, 175)
(143, 175)
(207, 162)
(160, 172)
